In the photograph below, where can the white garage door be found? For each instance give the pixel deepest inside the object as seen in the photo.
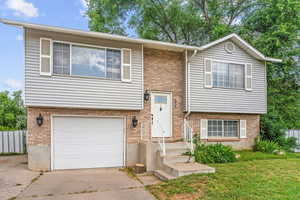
(87, 142)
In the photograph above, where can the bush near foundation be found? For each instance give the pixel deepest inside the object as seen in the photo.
(213, 153)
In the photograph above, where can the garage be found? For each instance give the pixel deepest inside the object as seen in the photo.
(87, 142)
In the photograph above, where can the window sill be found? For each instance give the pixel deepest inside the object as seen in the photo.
(87, 77)
(223, 139)
(242, 89)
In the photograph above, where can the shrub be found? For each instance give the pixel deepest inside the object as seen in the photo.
(4, 128)
(214, 153)
(266, 146)
(287, 144)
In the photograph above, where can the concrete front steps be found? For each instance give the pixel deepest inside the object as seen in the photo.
(174, 164)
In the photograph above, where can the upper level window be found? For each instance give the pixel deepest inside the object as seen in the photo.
(228, 75)
(87, 61)
(61, 58)
(113, 64)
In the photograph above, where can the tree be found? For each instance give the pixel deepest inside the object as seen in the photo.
(192, 22)
(274, 29)
(12, 111)
(271, 26)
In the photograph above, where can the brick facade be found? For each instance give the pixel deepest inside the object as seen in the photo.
(164, 72)
(42, 135)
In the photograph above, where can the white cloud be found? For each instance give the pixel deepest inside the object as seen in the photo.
(13, 84)
(22, 8)
(19, 37)
(84, 5)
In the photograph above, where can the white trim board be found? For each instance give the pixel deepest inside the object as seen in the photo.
(147, 43)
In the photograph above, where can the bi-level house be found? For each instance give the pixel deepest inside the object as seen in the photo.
(101, 100)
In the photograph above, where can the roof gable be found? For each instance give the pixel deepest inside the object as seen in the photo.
(242, 44)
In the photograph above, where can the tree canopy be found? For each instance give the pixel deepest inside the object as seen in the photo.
(12, 111)
(271, 26)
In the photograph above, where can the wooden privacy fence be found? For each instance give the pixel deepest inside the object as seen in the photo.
(13, 141)
(296, 134)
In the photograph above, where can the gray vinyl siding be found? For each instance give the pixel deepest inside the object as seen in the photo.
(222, 100)
(80, 92)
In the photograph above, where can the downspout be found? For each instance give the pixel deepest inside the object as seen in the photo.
(187, 64)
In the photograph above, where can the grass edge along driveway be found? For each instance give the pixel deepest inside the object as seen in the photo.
(256, 176)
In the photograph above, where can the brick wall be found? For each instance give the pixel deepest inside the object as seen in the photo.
(252, 121)
(164, 72)
(42, 135)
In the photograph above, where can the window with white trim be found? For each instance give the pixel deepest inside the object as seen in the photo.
(61, 58)
(228, 75)
(223, 128)
(89, 61)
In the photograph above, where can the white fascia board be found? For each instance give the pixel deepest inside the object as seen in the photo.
(276, 60)
(177, 47)
(234, 36)
(96, 34)
(246, 44)
(216, 42)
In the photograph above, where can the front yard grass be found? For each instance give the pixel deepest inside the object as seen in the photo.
(256, 176)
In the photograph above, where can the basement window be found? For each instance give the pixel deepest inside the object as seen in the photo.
(223, 128)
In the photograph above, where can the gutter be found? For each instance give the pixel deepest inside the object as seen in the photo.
(150, 43)
(178, 47)
(275, 60)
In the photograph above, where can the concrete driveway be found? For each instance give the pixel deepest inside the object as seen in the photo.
(14, 176)
(92, 184)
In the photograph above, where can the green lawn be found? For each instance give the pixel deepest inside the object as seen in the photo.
(256, 176)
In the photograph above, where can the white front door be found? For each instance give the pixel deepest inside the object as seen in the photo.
(161, 111)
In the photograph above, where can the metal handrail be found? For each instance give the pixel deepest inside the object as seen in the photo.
(163, 144)
(188, 136)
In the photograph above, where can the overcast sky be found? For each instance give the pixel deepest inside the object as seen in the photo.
(64, 13)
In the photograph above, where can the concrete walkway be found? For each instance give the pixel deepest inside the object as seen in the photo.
(92, 184)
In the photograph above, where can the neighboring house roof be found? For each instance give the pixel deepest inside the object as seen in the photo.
(147, 43)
